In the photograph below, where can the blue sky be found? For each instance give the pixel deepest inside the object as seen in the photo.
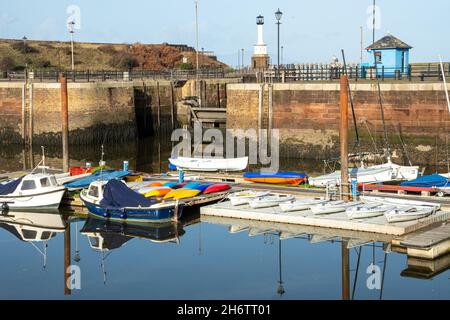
(312, 31)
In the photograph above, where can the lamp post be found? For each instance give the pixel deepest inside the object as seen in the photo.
(196, 49)
(71, 25)
(242, 50)
(278, 16)
(24, 39)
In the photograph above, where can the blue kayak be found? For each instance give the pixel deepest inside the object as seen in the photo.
(99, 175)
(202, 187)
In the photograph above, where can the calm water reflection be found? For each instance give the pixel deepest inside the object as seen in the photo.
(191, 260)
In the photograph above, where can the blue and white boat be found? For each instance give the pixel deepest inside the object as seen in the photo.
(113, 200)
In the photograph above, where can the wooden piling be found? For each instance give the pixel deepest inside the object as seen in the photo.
(345, 270)
(64, 121)
(159, 107)
(343, 135)
(67, 260)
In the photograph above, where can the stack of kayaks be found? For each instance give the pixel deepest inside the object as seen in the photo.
(292, 178)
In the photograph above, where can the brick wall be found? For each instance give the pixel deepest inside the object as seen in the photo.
(10, 112)
(308, 116)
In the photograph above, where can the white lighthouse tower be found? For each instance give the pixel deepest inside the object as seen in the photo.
(260, 58)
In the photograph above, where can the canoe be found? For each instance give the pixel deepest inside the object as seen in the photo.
(292, 178)
(401, 214)
(299, 205)
(156, 184)
(159, 192)
(333, 207)
(210, 164)
(202, 187)
(364, 211)
(99, 175)
(182, 194)
(271, 200)
(244, 197)
(191, 185)
(171, 185)
(217, 188)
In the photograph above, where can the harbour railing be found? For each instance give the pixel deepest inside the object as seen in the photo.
(110, 75)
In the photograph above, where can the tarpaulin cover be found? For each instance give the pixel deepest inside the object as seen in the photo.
(252, 175)
(9, 187)
(429, 181)
(99, 175)
(118, 195)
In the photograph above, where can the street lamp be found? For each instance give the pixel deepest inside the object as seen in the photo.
(242, 50)
(278, 16)
(71, 26)
(24, 49)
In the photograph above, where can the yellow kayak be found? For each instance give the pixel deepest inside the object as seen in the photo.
(182, 194)
(160, 192)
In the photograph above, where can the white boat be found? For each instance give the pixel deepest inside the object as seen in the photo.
(210, 164)
(244, 197)
(399, 202)
(401, 214)
(333, 207)
(271, 200)
(299, 205)
(362, 175)
(372, 210)
(33, 191)
(400, 173)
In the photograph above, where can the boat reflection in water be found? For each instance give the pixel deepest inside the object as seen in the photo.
(105, 236)
(37, 229)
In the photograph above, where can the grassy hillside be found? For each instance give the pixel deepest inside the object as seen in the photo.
(16, 55)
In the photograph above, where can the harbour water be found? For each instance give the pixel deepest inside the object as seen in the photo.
(192, 260)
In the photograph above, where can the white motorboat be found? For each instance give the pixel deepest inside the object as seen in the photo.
(401, 214)
(362, 175)
(300, 204)
(244, 197)
(333, 207)
(210, 164)
(399, 202)
(372, 210)
(33, 191)
(271, 200)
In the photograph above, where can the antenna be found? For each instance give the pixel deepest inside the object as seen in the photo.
(43, 159)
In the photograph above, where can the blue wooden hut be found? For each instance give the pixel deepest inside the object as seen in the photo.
(391, 56)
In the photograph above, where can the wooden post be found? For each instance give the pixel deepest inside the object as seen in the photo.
(172, 106)
(218, 95)
(64, 122)
(345, 270)
(159, 107)
(67, 260)
(343, 134)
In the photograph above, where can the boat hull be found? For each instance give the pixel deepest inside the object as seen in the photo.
(201, 164)
(39, 201)
(299, 205)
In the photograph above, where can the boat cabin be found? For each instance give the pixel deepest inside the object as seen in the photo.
(32, 182)
(95, 191)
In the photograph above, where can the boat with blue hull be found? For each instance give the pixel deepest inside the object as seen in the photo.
(113, 200)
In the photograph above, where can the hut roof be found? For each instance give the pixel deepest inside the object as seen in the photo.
(389, 42)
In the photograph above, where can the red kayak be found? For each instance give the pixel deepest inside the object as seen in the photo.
(217, 188)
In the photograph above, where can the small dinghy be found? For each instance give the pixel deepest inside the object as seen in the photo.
(299, 205)
(368, 210)
(271, 200)
(244, 197)
(210, 164)
(333, 207)
(401, 214)
(399, 202)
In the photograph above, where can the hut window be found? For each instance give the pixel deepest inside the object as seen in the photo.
(378, 57)
(28, 185)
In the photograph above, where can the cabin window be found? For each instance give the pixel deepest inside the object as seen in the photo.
(93, 191)
(28, 185)
(46, 235)
(95, 243)
(45, 182)
(29, 234)
(53, 181)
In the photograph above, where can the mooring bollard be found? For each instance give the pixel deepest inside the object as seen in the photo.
(180, 176)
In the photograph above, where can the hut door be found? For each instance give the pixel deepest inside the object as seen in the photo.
(403, 61)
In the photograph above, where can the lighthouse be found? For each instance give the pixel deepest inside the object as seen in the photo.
(260, 58)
